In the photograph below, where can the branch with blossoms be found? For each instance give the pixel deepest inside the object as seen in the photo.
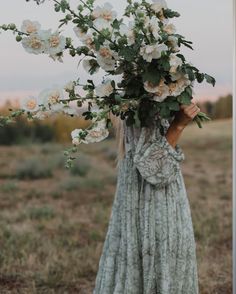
(142, 49)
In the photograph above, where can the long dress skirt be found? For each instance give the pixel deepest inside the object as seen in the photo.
(149, 246)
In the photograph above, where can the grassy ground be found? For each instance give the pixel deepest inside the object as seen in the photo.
(53, 222)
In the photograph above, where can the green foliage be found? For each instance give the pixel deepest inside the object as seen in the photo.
(9, 187)
(33, 168)
(70, 184)
(21, 131)
(40, 213)
(81, 166)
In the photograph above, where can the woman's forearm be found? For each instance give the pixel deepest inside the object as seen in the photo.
(173, 133)
(181, 120)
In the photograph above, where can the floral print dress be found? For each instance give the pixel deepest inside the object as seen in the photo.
(149, 246)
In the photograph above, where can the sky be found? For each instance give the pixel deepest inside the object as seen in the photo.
(207, 23)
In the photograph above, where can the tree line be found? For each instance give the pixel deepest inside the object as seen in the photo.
(58, 129)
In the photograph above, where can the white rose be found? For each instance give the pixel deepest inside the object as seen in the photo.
(175, 89)
(106, 58)
(98, 133)
(75, 136)
(104, 12)
(42, 115)
(184, 82)
(30, 27)
(173, 41)
(162, 93)
(34, 43)
(30, 104)
(150, 87)
(153, 24)
(158, 5)
(88, 41)
(181, 82)
(102, 24)
(169, 29)
(55, 43)
(105, 89)
(150, 52)
(51, 99)
(175, 62)
(128, 32)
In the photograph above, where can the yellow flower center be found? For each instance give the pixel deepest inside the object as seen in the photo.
(35, 43)
(54, 41)
(54, 98)
(31, 29)
(107, 15)
(105, 52)
(89, 41)
(95, 134)
(31, 104)
(172, 87)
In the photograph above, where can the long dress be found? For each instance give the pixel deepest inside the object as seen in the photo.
(149, 246)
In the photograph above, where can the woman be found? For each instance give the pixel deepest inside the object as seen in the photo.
(150, 246)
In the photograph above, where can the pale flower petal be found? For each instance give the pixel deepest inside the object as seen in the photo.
(169, 29)
(30, 104)
(30, 27)
(33, 44)
(158, 5)
(175, 62)
(105, 89)
(97, 134)
(104, 12)
(162, 93)
(51, 99)
(150, 52)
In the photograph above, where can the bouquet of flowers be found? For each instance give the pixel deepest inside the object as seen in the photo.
(145, 74)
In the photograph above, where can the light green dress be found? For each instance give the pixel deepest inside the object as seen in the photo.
(149, 246)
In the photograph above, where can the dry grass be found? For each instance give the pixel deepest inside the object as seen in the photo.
(52, 229)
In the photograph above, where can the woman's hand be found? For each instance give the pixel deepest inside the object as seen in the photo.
(186, 114)
(181, 120)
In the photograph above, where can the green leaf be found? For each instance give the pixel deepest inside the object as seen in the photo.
(152, 75)
(113, 84)
(164, 110)
(116, 24)
(128, 53)
(190, 74)
(164, 63)
(181, 57)
(118, 98)
(184, 98)
(210, 80)
(97, 44)
(174, 105)
(200, 77)
(168, 13)
(189, 91)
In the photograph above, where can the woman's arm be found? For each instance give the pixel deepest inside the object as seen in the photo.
(181, 120)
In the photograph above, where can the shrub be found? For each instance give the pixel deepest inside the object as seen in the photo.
(39, 213)
(9, 187)
(33, 168)
(70, 184)
(81, 166)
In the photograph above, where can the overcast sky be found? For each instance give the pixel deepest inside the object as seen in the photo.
(208, 23)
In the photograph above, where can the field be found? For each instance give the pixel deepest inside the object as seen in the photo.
(53, 221)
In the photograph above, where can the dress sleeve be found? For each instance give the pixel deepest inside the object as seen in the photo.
(157, 161)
